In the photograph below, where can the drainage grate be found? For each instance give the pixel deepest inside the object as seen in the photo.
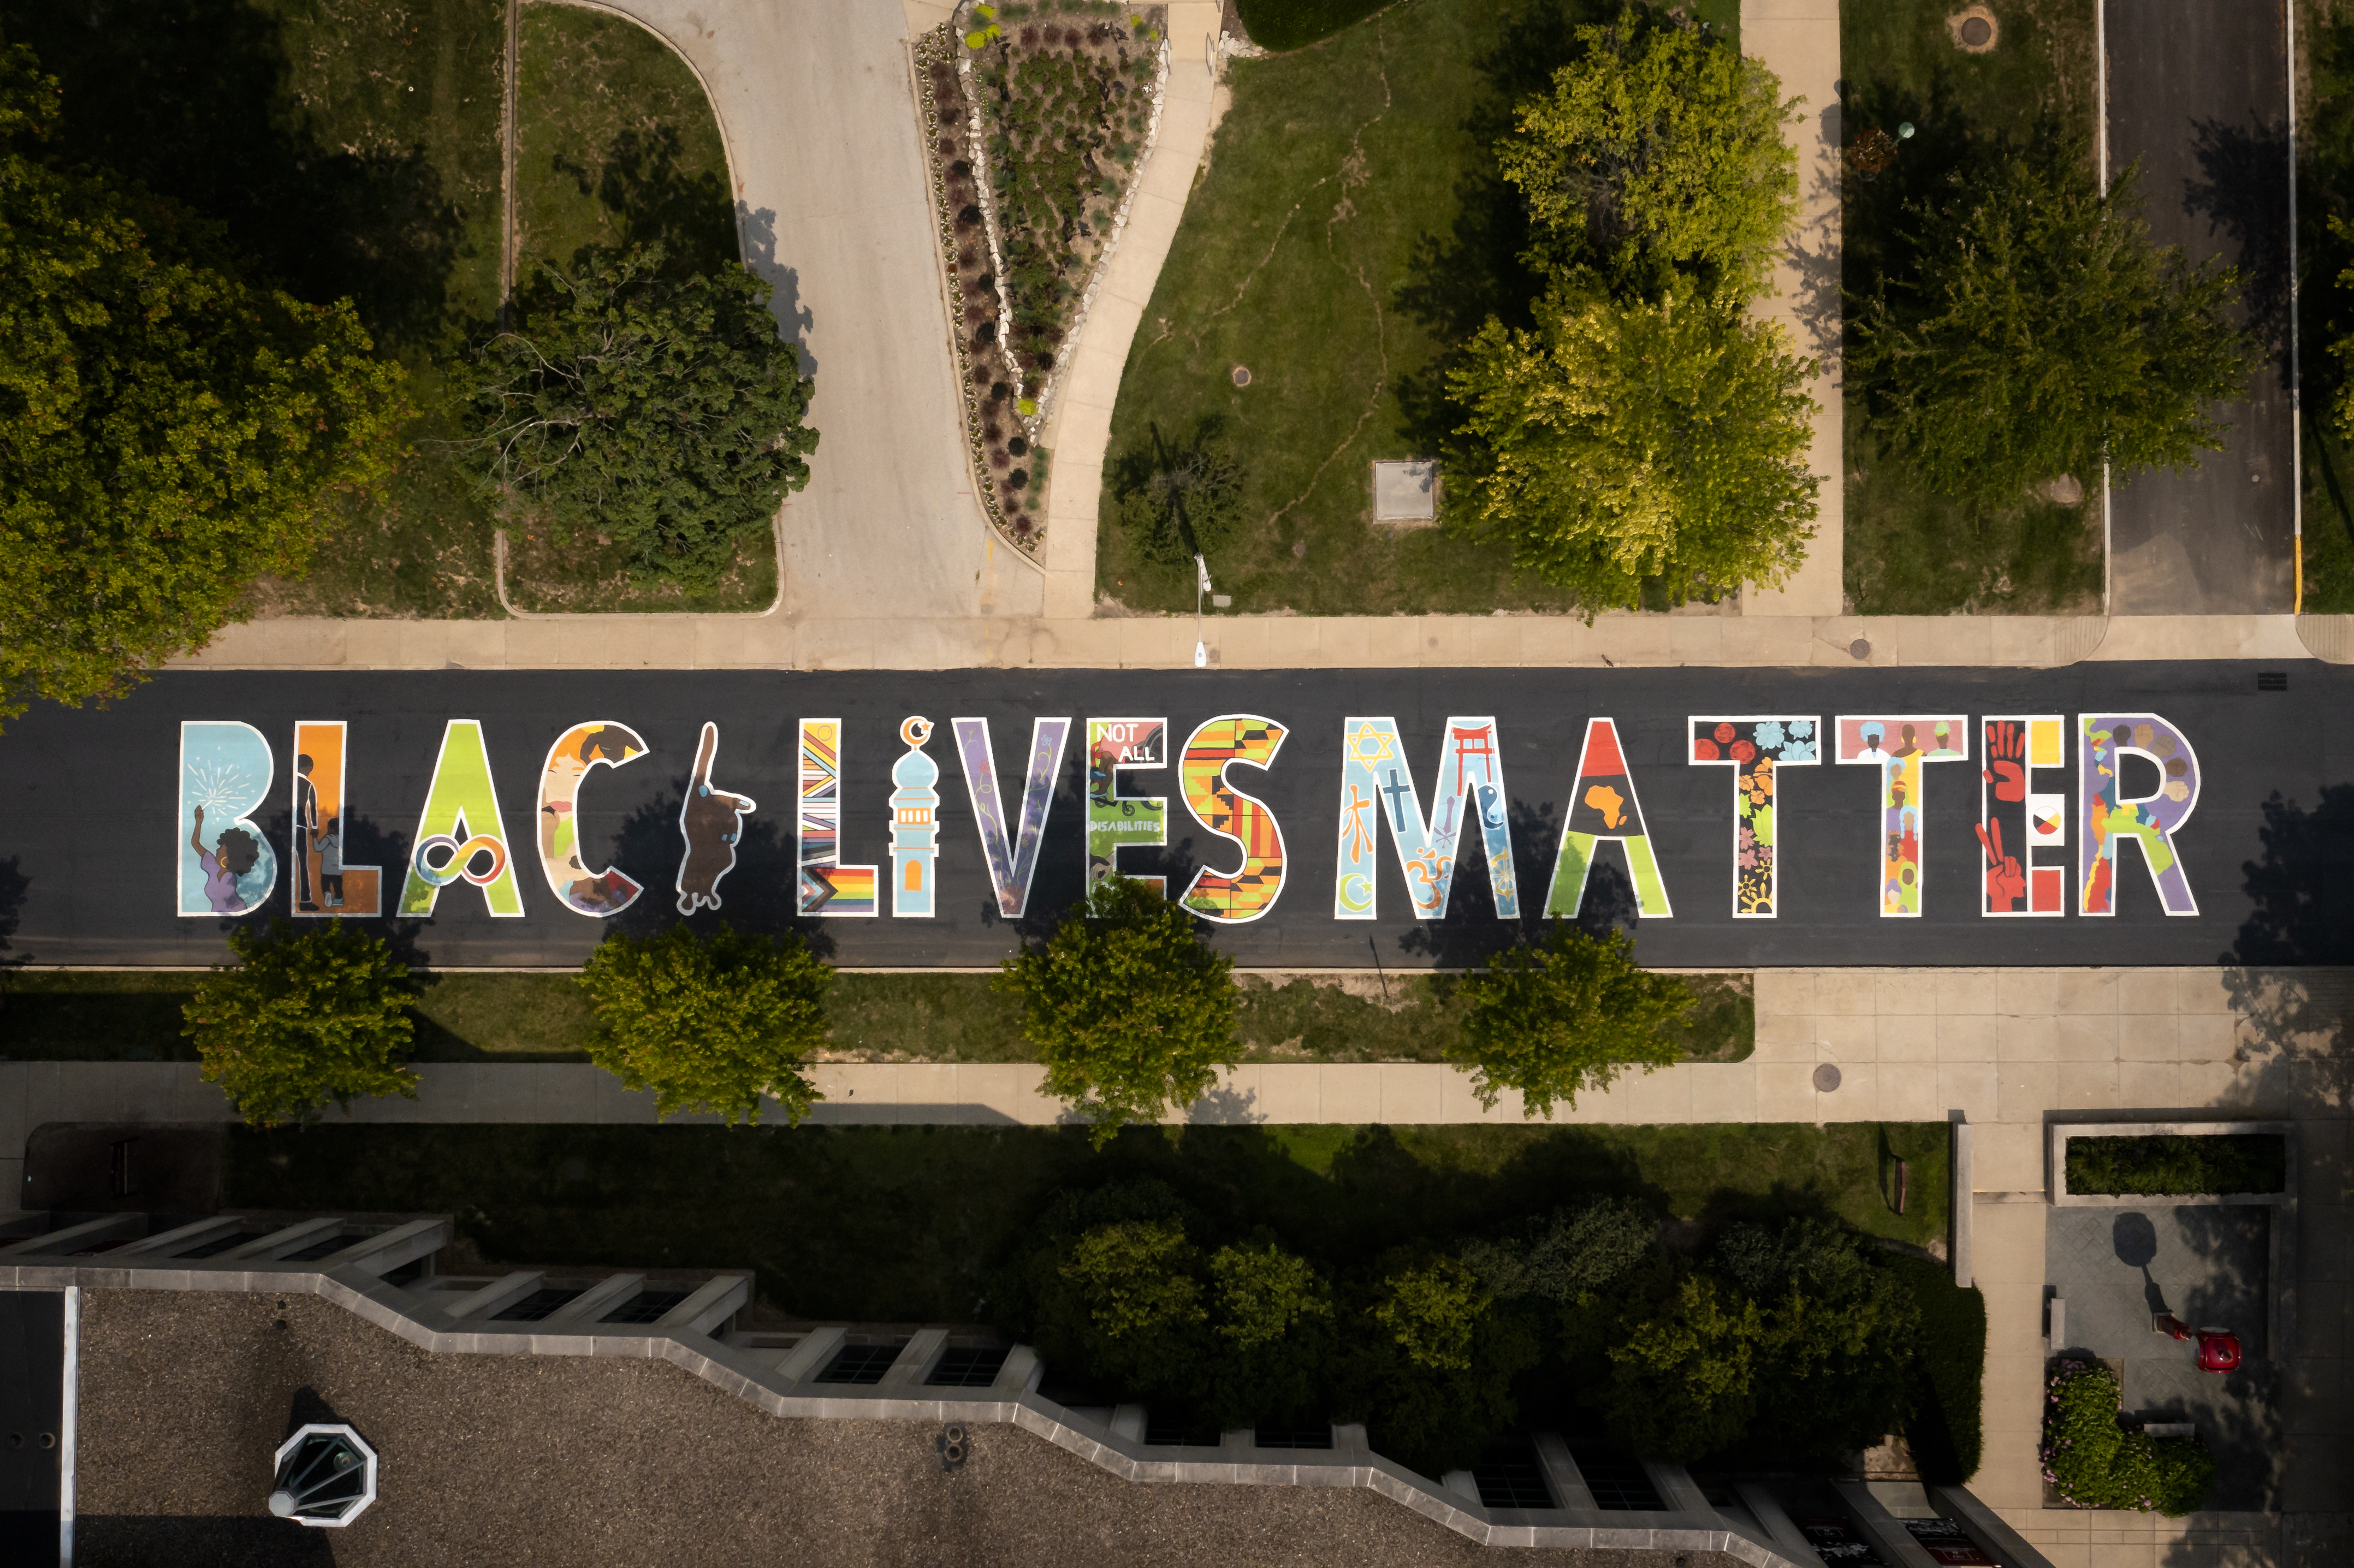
(969, 1366)
(862, 1365)
(646, 1307)
(2272, 679)
(1619, 1483)
(534, 1307)
(1268, 1436)
(1512, 1481)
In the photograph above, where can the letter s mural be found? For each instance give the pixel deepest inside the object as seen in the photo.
(1243, 895)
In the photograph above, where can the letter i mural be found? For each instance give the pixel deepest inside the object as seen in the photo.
(1756, 749)
(1899, 746)
(2110, 820)
(2023, 830)
(1602, 808)
(915, 825)
(827, 887)
(226, 864)
(324, 885)
(459, 833)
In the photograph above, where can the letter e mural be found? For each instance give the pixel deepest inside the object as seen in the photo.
(2023, 830)
(226, 866)
(1602, 808)
(1756, 749)
(1117, 822)
(1236, 897)
(2109, 819)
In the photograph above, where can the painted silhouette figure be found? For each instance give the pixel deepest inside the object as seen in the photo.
(306, 835)
(712, 821)
(232, 855)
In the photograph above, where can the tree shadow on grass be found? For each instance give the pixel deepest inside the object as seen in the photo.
(189, 98)
(639, 181)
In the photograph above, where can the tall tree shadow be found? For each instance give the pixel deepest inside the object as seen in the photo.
(189, 98)
(653, 200)
(2242, 192)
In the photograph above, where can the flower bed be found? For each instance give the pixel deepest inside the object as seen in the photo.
(2170, 1166)
(2091, 1461)
(1038, 117)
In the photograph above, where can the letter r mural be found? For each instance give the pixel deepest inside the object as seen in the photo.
(2108, 819)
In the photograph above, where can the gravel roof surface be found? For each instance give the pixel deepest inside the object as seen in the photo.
(184, 1394)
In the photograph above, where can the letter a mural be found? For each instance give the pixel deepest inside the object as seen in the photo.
(2023, 830)
(578, 750)
(1756, 749)
(827, 887)
(1602, 808)
(325, 886)
(459, 833)
(1012, 856)
(2110, 820)
(1898, 747)
(226, 864)
(1377, 791)
(1236, 897)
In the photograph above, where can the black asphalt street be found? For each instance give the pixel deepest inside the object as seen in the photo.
(89, 855)
(2198, 96)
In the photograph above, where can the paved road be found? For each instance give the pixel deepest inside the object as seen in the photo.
(819, 120)
(92, 808)
(2199, 93)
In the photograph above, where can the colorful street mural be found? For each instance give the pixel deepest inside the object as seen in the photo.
(914, 824)
(226, 864)
(827, 887)
(1115, 821)
(1604, 808)
(459, 833)
(1898, 745)
(326, 885)
(1012, 857)
(2110, 819)
(1243, 895)
(2023, 830)
(711, 821)
(1756, 749)
(601, 743)
(1377, 791)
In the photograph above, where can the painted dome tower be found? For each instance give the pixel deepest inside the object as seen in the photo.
(914, 824)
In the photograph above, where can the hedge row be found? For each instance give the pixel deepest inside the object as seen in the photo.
(2171, 1166)
(1945, 1434)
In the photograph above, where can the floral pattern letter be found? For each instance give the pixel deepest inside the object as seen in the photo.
(1236, 897)
(598, 743)
(1012, 857)
(459, 833)
(226, 864)
(2110, 820)
(1756, 749)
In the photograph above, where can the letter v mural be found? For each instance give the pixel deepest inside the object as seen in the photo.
(1013, 855)
(1604, 808)
(1377, 791)
(459, 833)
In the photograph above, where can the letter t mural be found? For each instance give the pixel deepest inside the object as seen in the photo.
(1756, 749)
(1898, 747)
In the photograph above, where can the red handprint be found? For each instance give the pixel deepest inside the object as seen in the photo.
(2005, 883)
(2007, 751)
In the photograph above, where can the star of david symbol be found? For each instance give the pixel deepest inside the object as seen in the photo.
(1367, 736)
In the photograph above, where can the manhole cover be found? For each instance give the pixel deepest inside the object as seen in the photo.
(1826, 1078)
(1242, 375)
(1976, 32)
(1858, 648)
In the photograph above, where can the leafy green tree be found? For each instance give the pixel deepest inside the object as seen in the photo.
(1837, 1365)
(2025, 327)
(1132, 1308)
(303, 1019)
(1274, 1319)
(1130, 1010)
(1549, 1021)
(1179, 498)
(1433, 1312)
(1683, 1374)
(1431, 1370)
(1568, 1257)
(1263, 1292)
(710, 1022)
(172, 429)
(1615, 445)
(1659, 148)
(665, 411)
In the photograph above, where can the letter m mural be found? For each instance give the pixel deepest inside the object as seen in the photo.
(1378, 797)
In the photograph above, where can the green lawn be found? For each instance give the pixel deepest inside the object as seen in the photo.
(1907, 552)
(134, 1015)
(905, 1223)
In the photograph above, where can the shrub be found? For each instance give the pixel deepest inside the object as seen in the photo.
(710, 1022)
(1682, 1373)
(1431, 1371)
(1273, 1320)
(1836, 1365)
(1549, 1021)
(1573, 1254)
(303, 1020)
(2171, 1166)
(1949, 1361)
(2095, 1463)
(1179, 498)
(1130, 1011)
